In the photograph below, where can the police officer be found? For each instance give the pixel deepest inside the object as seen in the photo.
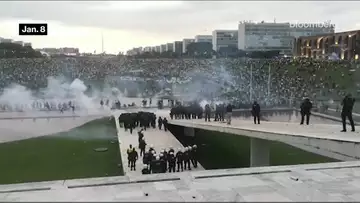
(305, 110)
(133, 159)
(156, 165)
(145, 169)
(193, 156)
(163, 163)
(207, 112)
(147, 158)
(171, 149)
(160, 122)
(348, 104)
(165, 122)
(128, 151)
(171, 161)
(140, 135)
(256, 112)
(187, 158)
(151, 148)
(179, 160)
(142, 146)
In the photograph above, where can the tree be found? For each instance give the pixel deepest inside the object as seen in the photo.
(12, 50)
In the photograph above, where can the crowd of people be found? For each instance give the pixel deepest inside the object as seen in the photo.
(241, 80)
(167, 160)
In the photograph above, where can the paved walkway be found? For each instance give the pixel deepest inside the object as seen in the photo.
(320, 131)
(158, 138)
(336, 182)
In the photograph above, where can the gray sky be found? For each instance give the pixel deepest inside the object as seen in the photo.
(136, 23)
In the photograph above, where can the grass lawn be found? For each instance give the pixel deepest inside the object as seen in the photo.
(65, 155)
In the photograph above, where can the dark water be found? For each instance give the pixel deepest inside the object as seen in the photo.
(218, 150)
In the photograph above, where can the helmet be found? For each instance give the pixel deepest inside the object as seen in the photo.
(161, 154)
(145, 165)
(171, 153)
(194, 146)
(189, 148)
(157, 157)
(153, 151)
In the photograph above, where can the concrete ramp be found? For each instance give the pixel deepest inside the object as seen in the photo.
(158, 138)
(326, 137)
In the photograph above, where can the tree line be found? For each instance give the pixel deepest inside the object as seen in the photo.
(12, 50)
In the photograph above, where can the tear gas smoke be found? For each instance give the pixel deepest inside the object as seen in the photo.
(59, 91)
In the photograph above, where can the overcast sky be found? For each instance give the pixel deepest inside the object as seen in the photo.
(146, 23)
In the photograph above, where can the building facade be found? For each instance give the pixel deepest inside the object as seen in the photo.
(147, 49)
(27, 44)
(270, 36)
(343, 45)
(169, 47)
(177, 47)
(203, 38)
(4, 40)
(224, 38)
(265, 37)
(162, 48)
(185, 43)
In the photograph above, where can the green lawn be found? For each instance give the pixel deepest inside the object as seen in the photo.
(65, 155)
(222, 150)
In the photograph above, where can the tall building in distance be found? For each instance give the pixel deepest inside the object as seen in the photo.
(270, 36)
(162, 48)
(265, 37)
(185, 43)
(169, 47)
(224, 38)
(177, 47)
(203, 38)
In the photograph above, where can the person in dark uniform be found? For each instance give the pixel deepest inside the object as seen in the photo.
(229, 109)
(193, 156)
(207, 112)
(133, 158)
(186, 157)
(147, 158)
(171, 149)
(348, 105)
(179, 160)
(156, 166)
(151, 148)
(140, 135)
(172, 162)
(160, 122)
(305, 110)
(145, 169)
(165, 122)
(256, 112)
(128, 151)
(163, 162)
(142, 146)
